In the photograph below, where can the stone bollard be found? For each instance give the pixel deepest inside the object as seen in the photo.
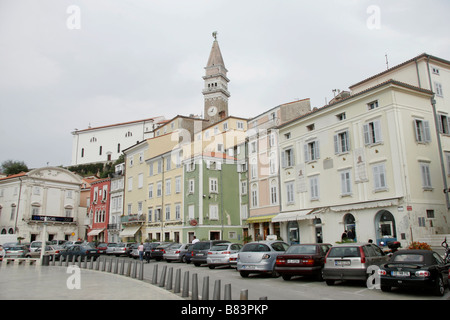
(134, 271)
(169, 279)
(129, 269)
(216, 294)
(185, 292)
(162, 281)
(122, 267)
(177, 281)
(103, 265)
(141, 271)
(155, 275)
(91, 263)
(244, 294)
(227, 295)
(194, 287)
(116, 265)
(205, 291)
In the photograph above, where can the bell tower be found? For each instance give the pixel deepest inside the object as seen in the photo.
(215, 91)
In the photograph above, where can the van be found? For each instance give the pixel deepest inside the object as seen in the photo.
(350, 261)
(200, 251)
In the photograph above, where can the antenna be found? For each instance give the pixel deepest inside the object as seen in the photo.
(387, 62)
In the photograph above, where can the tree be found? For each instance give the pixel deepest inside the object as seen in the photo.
(9, 167)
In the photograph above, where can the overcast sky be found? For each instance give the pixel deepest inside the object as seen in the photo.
(67, 64)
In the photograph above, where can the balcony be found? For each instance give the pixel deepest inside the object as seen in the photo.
(133, 218)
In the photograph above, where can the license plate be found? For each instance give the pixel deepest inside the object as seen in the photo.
(400, 273)
(199, 254)
(293, 261)
(248, 267)
(342, 263)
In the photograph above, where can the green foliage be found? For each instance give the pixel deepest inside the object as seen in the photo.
(9, 167)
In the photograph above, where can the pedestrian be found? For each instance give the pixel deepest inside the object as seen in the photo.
(195, 240)
(141, 251)
(344, 236)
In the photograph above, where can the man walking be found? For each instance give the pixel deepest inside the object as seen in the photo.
(141, 251)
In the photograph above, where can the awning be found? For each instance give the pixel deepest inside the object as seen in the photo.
(298, 215)
(129, 231)
(259, 219)
(366, 205)
(95, 232)
(291, 216)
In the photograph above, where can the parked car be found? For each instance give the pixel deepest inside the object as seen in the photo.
(219, 254)
(302, 259)
(37, 244)
(122, 249)
(260, 257)
(57, 242)
(110, 248)
(200, 251)
(52, 251)
(415, 268)
(350, 261)
(177, 252)
(2, 252)
(79, 251)
(158, 252)
(16, 251)
(234, 259)
(101, 247)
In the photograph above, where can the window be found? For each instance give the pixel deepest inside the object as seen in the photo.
(346, 183)
(177, 184)
(191, 186)
(150, 214)
(253, 169)
(130, 184)
(341, 116)
(168, 163)
(435, 70)
(422, 130)
(290, 192)
(150, 191)
(159, 189)
(372, 105)
(213, 212)
(168, 186)
(272, 164)
(287, 136)
(254, 195)
(157, 214)
(140, 207)
(372, 132)
(160, 164)
(273, 192)
(140, 180)
(312, 151)
(213, 186)
(167, 212)
(426, 176)
(311, 127)
(314, 188)
(240, 125)
(191, 211)
(287, 157)
(444, 124)
(379, 177)
(150, 170)
(253, 148)
(272, 139)
(243, 187)
(438, 88)
(341, 142)
(177, 211)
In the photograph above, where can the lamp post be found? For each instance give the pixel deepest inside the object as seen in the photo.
(44, 232)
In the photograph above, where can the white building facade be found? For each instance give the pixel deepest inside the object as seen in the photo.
(368, 163)
(26, 198)
(106, 143)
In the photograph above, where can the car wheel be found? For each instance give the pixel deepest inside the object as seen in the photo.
(439, 288)
(211, 266)
(183, 259)
(329, 282)
(385, 288)
(286, 277)
(197, 264)
(274, 274)
(243, 274)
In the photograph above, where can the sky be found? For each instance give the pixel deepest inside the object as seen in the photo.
(71, 64)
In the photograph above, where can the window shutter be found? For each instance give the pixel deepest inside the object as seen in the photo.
(336, 143)
(366, 134)
(426, 131)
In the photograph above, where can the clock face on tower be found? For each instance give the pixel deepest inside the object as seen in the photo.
(212, 111)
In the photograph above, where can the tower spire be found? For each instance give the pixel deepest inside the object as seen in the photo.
(215, 91)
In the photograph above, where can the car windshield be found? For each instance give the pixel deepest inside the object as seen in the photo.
(201, 246)
(344, 252)
(302, 250)
(255, 247)
(176, 246)
(15, 248)
(409, 258)
(219, 247)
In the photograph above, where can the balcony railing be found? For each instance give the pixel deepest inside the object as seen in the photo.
(133, 218)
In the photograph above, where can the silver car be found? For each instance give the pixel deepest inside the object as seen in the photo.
(350, 261)
(260, 257)
(177, 252)
(219, 254)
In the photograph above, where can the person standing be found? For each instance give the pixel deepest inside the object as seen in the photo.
(141, 251)
(195, 240)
